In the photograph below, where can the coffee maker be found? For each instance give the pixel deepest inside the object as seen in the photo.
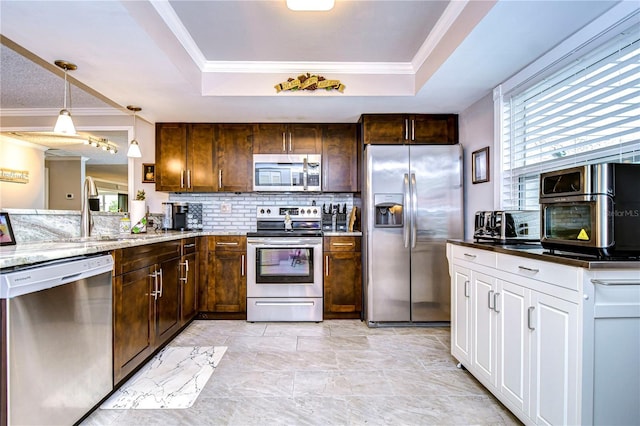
(179, 216)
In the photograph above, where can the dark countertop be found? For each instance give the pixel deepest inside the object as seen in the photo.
(535, 251)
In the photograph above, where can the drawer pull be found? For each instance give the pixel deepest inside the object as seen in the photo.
(226, 244)
(529, 315)
(470, 256)
(342, 244)
(616, 282)
(524, 268)
(189, 245)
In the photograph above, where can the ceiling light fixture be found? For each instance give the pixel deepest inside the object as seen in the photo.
(65, 124)
(134, 147)
(310, 5)
(102, 143)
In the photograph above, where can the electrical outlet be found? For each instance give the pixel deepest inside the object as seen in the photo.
(69, 196)
(225, 208)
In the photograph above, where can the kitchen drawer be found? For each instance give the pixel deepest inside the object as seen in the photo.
(552, 273)
(228, 243)
(188, 246)
(132, 258)
(478, 256)
(342, 244)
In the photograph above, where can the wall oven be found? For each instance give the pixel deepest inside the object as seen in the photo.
(283, 172)
(284, 267)
(592, 209)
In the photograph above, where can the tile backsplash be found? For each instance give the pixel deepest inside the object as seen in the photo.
(241, 217)
(238, 215)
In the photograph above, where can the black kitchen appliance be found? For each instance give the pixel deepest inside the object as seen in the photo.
(592, 209)
(180, 213)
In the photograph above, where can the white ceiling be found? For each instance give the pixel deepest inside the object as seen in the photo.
(218, 61)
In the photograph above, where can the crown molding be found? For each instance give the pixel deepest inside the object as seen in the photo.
(267, 67)
(169, 16)
(448, 17)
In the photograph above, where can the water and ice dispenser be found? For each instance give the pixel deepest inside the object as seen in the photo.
(388, 210)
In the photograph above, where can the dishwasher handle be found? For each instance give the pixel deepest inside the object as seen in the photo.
(31, 279)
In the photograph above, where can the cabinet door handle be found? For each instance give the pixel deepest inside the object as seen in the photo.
(406, 129)
(242, 267)
(495, 303)
(220, 179)
(524, 268)
(413, 129)
(489, 297)
(466, 288)
(189, 245)
(470, 256)
(284, 142)
(181, 178)
(186, 271)
(189, 178)
(161, 283)
(290, 142)
(529, 315)
(154, 293)
(326, 266)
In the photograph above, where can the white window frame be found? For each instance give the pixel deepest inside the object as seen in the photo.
(601, 30)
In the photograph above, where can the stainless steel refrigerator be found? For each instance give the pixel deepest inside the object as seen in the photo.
(412, 205)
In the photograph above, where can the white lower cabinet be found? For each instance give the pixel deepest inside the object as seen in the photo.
(554, 360)
(523, 342)
(512, 305)
(461, 314)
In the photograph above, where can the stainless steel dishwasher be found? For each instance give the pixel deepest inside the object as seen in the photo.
(59, 339)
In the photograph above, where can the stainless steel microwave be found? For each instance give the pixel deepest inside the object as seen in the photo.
(287, 172)
(592, 209)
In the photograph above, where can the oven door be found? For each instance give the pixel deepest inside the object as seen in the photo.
(284, 267)
(580, 223)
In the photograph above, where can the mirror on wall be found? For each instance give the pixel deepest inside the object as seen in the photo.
(52, 167)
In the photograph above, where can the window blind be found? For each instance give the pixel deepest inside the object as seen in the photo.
(589, 112)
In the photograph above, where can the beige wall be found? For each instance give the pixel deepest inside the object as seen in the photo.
(19, 156)
(476, 132)
(65, 177)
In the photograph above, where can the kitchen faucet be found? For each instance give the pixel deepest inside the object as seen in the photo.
(86, 222)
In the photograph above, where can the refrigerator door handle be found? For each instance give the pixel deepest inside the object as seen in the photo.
(405, 212)
(414, 211)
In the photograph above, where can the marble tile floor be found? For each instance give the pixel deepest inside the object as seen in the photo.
(338, 372)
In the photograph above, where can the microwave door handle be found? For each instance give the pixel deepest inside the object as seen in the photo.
(414, 211)
(405, 211)
(305, 173)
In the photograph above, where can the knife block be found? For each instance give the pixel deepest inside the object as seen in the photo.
(326, 221)
(341, 222)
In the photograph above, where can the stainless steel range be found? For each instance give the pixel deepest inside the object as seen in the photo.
(284, 265)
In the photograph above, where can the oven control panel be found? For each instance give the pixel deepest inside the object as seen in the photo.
(296, 213)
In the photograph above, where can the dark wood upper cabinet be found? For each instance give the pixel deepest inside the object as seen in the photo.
(282, 138)
(235, 158)
(339, 158)
(171, 156)
(185, 157)
(399, 129)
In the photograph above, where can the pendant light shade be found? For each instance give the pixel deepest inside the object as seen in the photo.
(134, 146)
(64, 124)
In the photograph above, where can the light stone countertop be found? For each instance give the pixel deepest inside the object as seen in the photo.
(36, 252)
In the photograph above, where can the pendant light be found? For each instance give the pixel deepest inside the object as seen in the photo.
(134, 147)
(65, 124)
